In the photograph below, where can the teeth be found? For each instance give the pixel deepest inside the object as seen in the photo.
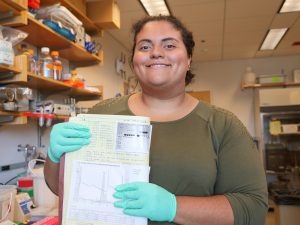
(158, 65)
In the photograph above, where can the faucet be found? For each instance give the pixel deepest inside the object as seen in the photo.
(29, 152)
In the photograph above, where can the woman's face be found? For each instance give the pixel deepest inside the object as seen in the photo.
(160, 58)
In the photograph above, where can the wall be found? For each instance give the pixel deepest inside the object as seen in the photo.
(223, 80)
(106, 74)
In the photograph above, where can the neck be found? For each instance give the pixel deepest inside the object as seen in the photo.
(163, 104)
(161, 109)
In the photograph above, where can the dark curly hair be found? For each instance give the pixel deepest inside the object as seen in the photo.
(186, 35)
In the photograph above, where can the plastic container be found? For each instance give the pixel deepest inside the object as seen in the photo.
(57, 66)
(7, 202)
(45, 63)
(42, 195)
(25, 184)
(74, 81)
(249, 77)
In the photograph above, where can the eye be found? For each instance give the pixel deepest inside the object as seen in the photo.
(144, 47)
(169, 46)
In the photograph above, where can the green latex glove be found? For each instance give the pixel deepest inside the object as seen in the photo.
(146, 200)
(67, 137)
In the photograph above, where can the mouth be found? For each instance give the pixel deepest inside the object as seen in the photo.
(158, 65)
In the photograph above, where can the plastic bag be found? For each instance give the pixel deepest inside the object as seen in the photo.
(9, 37)
(12, 35)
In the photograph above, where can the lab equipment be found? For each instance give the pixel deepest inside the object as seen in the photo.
(23, 208)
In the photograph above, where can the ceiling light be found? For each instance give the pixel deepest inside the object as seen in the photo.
(290, 6)
(155, 7)
(272, 39)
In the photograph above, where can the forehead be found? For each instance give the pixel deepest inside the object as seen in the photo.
(158, 29)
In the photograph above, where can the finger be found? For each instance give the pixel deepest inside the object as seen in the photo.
(75, 133)
(120, 204)
(135, 194)
(119, 195)
(134, 204)
(72, 141)
(127, 187)
(75, 126)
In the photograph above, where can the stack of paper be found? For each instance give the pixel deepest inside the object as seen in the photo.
(118, 154)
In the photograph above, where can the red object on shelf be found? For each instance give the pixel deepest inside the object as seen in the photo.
(31, 114)
(25, 182)
(34, 4)
(75, 83)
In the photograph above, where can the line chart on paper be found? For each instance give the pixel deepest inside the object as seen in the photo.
(96, 182)
(91, 198)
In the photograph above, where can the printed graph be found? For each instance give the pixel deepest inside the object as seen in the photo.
(96, 182)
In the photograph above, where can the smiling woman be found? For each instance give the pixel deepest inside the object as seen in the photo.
(160, 59)
(205, 168)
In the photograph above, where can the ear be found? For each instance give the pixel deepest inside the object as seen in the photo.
(189, 62)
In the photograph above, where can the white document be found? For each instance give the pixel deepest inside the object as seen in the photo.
(118, 154)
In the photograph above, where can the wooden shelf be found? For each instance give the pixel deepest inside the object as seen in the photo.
(8, 69)
(15, 5)
(44, 84)
(17, 118)
(88, 24)
(21, 117)
(273, 85)
(285, 134)
(42, 36)
(7, 10)
(6, 113)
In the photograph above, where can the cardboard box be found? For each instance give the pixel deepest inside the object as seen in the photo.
(290, 128)
(105, 14)
(271, 79)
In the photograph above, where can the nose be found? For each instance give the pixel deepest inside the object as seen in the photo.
(156, 52)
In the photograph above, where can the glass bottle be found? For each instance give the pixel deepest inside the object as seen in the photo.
(45, 63)
(31, 63)
(57, 66)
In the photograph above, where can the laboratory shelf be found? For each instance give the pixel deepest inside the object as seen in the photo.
(45, 37)
(88, 24)
(4, 69)
(44, 84)
(271, 85)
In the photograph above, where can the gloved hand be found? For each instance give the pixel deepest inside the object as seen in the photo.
(146, 200)
(67, 137)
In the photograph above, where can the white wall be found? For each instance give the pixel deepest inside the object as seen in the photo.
(10, 137)
(106, 74)
(223, 80)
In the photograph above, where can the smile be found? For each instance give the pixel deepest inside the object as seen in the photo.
(158, 65)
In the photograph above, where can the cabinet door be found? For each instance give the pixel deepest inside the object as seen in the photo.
(201, 95)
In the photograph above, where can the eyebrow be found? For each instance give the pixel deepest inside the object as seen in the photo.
(163, 40)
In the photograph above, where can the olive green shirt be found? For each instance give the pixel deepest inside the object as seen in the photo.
(208, 152)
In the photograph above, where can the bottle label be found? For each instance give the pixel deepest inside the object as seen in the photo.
(55, 67)
(49, 66)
